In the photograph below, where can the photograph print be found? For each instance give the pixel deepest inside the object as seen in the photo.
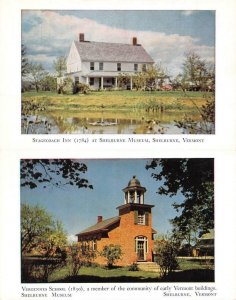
(117, 220)
(118, 72)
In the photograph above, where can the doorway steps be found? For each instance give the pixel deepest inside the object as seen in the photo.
(148, 266)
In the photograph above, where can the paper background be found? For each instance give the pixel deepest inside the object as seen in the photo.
(221, 146)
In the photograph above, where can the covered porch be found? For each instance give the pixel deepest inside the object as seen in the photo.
(105, 80)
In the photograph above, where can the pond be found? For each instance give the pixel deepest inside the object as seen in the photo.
(109, 122)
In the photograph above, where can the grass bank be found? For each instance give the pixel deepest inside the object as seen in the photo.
(118, 100)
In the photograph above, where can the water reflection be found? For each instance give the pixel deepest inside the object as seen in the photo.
(105, 123)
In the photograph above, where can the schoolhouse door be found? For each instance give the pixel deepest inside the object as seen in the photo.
(141, 251)
(141, 247)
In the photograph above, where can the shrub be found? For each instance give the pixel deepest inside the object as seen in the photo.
(166, 256)
(81, 88)
(112, 253)
(66, 87)
(78, 258)
(133, 267)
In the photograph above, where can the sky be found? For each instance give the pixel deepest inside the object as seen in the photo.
(166, 35)
(78, 209)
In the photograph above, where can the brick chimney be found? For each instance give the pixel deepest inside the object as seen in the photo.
(135, 41)
(81, 37)
(99, 219)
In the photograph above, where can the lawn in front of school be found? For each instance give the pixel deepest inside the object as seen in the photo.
(189, 271)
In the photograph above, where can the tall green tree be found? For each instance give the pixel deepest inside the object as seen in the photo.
(60, 65)
(40, 232)
(195, 72)
(53, 172)
(194, 178)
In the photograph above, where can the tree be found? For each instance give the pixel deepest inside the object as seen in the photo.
(43, 236)
(155, 76)
(112, 253)
(166, 255)
(195, 73)
(150, 79)
(66, 86)
(48, 83)
(194, 178)
(207, 122)
(40, 232)
(123, 80)
(77, 257)
(24, 61)
(60, 65)
(53, 172)
(36, 74)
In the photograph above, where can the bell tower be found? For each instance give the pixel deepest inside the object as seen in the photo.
(134, 200)
(136, 222)
(134, 192)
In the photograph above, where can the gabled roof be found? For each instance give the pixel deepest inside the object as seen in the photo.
(99, 227)
(112, 52)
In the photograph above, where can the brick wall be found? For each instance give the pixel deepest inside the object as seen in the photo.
(124, 235)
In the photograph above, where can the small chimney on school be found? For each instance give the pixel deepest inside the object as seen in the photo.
(99, 219)
(135, 41)
(81, 37)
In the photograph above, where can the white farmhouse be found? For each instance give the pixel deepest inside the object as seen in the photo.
(98, 64)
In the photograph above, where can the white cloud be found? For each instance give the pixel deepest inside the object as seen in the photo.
(42, 58)
(53, 37)
(188, 12)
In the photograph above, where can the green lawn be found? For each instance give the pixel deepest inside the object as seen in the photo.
(185, 264)
(102, 274)
(191, 271)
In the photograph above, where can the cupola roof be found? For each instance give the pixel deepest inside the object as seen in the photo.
(134, 182)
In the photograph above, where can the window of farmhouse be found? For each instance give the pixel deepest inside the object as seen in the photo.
(135, 67)
(144, 67)
(100, 66)
(118, 66)
(92, 66)
(91, 81)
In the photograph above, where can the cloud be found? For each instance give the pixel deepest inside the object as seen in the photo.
(50, 35)
(188, 12)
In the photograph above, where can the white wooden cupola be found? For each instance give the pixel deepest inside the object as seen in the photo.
(134, 192)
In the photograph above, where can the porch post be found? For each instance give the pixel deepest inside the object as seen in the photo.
(116, 82)
(101, 83)
(87, 80)
(131, 83)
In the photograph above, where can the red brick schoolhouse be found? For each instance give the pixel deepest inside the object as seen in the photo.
(131, 229)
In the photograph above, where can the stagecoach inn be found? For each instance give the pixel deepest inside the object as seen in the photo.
(131, 229)
(99, 64)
